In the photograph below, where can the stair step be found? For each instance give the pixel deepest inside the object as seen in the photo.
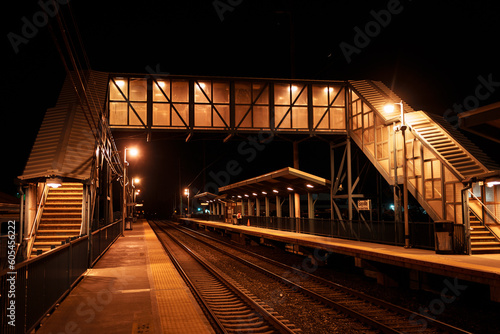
(493, 250)
(59, 219)
(65, 198)
(62, 190)
(54, 239)
(71, 213)
(484, 238)
(69, 194)
(58, 231)
(457, 158)
(447, 149)
(48, 244)
(64, 203)
(485, 243)
(44, 227)
(439, 140)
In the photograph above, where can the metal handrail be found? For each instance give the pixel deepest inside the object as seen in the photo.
(485, 208)
(38, 217)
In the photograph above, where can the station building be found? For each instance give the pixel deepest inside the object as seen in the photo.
(450, 177)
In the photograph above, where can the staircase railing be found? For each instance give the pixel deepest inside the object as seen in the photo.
(488, 211)
(485, 209)
(36, 222)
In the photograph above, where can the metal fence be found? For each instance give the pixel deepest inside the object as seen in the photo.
(35, 286)
(386, 232)
(102, 239)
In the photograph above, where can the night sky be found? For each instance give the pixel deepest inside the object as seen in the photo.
(431, 53)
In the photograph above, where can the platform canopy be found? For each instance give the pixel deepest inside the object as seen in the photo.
(278, 183)
(205, 197)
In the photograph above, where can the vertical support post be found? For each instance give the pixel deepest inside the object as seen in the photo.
(349, 179)
(405, 192)
(21, 215)
(310, 206)
(242, 207)
(278, 206)
(296, 166)
(291, 210)
(466, 218)
(124, 208)
(397, 200)
(181, 212)
(250, 211)
(405, 179)
(267, 206)
(257, 206)
(332, 178)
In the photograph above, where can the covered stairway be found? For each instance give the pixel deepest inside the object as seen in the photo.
(61, 218)
(446, 171)
(72, 159)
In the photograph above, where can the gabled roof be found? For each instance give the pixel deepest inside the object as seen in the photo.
(206, 196)
(65, 145)
(280, 181)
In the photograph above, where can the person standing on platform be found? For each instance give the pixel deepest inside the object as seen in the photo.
(238, 217)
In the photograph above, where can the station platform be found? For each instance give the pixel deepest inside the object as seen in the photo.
(133, 288)
(375, 258)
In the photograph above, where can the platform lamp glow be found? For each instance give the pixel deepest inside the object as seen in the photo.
(186, 192)
(389, 108)
(135, 192)
(133, 152)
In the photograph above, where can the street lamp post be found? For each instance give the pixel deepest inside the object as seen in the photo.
(186, 192)
(133, 152)
(390, 108)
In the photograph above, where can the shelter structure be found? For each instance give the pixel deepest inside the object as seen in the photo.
(278, 186)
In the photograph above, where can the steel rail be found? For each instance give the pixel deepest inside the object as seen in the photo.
(273, 321)
(375, 301)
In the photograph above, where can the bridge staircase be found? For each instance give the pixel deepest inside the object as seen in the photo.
(61, 218)
(439, 157)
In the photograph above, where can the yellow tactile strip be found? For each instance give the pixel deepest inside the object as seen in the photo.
(177, 308)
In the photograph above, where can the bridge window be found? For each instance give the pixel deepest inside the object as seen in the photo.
(211, 104)
(170, 103)
(251, 104)
(118, 113)
(138, 90)
(289, 99)
(328, 105)
(127, 102)
(118, 90)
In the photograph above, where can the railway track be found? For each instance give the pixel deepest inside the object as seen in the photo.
(229, 307)
(378, 314)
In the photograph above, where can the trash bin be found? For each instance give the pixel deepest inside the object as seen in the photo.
(128, 223)
(443, 236)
